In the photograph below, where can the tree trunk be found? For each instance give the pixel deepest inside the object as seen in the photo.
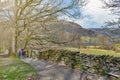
(15, 30)
(14, 43)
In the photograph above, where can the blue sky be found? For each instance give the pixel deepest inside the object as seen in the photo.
(93, 15)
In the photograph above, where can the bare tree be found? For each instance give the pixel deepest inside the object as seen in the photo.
(55, 34)
(114, 6)
(5, 37)
(26, 16)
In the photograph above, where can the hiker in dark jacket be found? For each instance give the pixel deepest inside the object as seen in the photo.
(23, 53)
(19, 53)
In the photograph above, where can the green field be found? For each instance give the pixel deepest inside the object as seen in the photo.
(96, 51)
(15, 69)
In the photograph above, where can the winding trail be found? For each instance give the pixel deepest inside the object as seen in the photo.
(51, 71)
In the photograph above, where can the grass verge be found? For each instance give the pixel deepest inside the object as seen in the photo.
(96, 51)
(15, 69)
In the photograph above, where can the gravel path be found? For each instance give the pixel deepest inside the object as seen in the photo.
(50, 71)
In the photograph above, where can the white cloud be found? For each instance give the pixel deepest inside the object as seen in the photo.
(95, 14)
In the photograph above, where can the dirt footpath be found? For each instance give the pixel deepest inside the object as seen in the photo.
(50, 71)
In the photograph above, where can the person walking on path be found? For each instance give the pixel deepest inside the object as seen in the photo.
(19, 53)
(23, 53)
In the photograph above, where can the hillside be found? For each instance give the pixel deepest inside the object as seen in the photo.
(115, 33)
(72, 27)
(71, 34)
(63, 33)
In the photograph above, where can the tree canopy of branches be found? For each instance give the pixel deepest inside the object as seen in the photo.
(114, 6)
(27, 16)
